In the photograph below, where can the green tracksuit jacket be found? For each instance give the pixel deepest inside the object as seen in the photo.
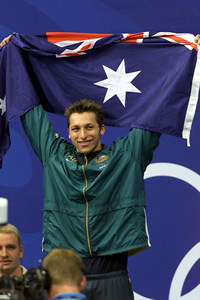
(95, 209)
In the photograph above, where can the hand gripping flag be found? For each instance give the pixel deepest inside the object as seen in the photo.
(145, 80)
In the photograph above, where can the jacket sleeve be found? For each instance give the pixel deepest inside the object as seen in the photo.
(143, 144)
(44, 140)
(139, 144)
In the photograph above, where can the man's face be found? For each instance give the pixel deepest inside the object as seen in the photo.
(84, 132)
(10, 254)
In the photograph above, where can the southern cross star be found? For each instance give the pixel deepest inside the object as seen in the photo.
(118, 83)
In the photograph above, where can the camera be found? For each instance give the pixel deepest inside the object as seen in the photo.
(31, 286)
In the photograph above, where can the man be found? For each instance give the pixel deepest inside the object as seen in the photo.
(94, 195)
(65, 268)
(11, 251)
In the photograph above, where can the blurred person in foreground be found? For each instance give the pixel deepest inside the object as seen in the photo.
(65, 268)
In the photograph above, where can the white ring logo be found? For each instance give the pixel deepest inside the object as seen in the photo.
(192, 178)
(173, 170)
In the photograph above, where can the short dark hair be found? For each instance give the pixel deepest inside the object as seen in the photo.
(82, 106)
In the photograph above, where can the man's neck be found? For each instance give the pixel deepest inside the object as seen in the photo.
(18, 272)
(60, 289)
(81, 157)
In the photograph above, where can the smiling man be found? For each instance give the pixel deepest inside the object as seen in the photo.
(11, 251)
(94, 198)
(85, 127)
(84, 132)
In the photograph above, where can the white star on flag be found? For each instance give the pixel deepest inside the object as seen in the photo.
(118, 83)
(3, 105)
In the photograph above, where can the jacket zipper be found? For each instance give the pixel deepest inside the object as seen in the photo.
(86, 201)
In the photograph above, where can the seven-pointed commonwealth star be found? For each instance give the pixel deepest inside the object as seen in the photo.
(118, 83)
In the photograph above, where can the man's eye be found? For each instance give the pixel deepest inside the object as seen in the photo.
(90, 127)
(11, 247)
(75, 129)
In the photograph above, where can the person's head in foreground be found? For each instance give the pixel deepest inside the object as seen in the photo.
(65, 268)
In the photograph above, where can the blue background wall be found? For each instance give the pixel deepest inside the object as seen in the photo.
(171, 268)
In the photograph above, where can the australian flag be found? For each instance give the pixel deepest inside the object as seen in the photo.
(145, 80)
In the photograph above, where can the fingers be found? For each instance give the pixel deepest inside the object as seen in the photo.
(5, 41)
(197, 39)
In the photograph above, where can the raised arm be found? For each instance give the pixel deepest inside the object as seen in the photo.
(44, 140)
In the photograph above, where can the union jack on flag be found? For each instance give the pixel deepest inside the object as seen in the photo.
(145, 80)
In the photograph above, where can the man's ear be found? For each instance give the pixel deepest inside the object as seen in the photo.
(21, 252)
(103, 129)
(83, 283)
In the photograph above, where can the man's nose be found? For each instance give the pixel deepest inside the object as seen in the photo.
(4, 252)
(83, 133)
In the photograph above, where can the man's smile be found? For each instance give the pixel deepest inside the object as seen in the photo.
(5, 262)
(85, 143)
